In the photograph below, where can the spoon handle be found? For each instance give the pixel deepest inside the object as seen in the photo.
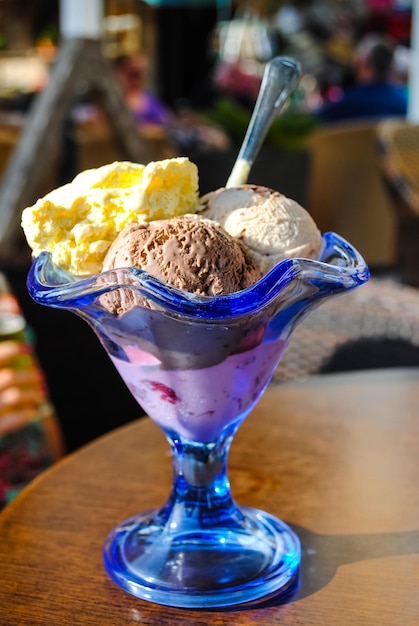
(279, 79)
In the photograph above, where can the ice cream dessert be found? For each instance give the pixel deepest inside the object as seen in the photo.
(271, 226)
(193, 373)
(197, 363)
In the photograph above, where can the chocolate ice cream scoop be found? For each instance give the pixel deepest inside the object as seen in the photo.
(188, 252)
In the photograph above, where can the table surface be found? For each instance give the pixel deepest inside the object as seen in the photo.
(336, 456)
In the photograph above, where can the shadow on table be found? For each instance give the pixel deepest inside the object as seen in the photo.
(322, 555)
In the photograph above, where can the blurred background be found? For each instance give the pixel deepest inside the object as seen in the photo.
(199, 63)
(202, 59)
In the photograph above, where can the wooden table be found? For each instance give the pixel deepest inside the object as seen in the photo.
(335, 456)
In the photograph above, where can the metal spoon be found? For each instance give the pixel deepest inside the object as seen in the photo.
(280, 77)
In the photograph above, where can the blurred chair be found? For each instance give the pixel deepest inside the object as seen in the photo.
(371, 327)
(286, 171)
(398, 150)
(96, 146)
(346, 193)
(9, 136)
(11, 127)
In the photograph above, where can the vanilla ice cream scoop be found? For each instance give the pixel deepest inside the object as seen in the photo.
(77, 222)
(271, 226)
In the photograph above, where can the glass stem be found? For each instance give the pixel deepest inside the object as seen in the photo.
(201, 490)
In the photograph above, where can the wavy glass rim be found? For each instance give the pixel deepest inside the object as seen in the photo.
(340, 265)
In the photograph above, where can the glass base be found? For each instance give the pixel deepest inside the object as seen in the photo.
(217, 566)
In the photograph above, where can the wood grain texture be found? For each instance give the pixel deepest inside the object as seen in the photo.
(335, 456)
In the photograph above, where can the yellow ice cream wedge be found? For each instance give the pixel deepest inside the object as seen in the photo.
(77, 222)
